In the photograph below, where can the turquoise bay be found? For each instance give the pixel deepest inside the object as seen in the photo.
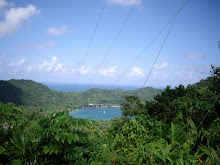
(97, 113)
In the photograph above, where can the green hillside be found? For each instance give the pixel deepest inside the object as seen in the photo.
(34, 95)
(145, 94)
(38, 96)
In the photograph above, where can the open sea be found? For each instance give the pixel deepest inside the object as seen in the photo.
(64, 87)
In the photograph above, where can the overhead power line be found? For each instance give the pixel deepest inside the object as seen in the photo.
(162, 45)
(110, 48)
(145, 48)
(100, 16)
(133, 106)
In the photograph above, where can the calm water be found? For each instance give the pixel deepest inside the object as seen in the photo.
(97, 113)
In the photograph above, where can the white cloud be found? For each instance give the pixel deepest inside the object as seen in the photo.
(58, 67)
(14, 17)
(46, 45)
(84, 70)
(18, 64)
(195, 56)
(124, 2)
(30, 68)
(162, 66)
(108, 72)
(49, 66)
(136, 72)
(53, 66)
(57, 31)
(70, 68)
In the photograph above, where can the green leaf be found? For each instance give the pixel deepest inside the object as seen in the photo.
(115, 140)
(69, 138)
(75, 137)
(46, 149)
(20, 143)
(63, 137)
(57, 137)
(53, 148)
(192, 125)
(17, 162)
(2, 149)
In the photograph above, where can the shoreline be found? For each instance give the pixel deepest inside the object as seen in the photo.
(115, 106)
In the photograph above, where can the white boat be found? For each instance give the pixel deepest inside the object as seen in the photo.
(104, 111)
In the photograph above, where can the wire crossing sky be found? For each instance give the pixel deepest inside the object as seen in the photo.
(145, 48)
(135, 102)
(46, 41)
(104, 58)
(90, 42)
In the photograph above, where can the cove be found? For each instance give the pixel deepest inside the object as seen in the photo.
(97, 113)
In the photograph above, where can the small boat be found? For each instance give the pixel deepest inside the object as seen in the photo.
(104, 111)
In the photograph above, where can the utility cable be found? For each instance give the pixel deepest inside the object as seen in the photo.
(145, 48)
(110, 48)
(100, 16)
(153, 64)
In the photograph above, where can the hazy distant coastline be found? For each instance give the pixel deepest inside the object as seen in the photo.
(68, 87)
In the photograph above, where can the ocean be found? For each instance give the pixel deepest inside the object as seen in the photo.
(65, 87)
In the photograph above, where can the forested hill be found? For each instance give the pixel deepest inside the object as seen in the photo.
(39, 96)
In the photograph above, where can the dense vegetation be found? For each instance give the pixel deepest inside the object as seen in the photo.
(39, 96)
(181, 126)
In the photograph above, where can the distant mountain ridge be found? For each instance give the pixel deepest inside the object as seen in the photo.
(39, 96)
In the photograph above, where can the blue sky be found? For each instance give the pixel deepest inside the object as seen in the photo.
(46, 41)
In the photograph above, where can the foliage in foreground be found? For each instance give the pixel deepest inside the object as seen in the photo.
(181, 126)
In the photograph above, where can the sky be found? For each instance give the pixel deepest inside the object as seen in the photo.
(61, 41)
